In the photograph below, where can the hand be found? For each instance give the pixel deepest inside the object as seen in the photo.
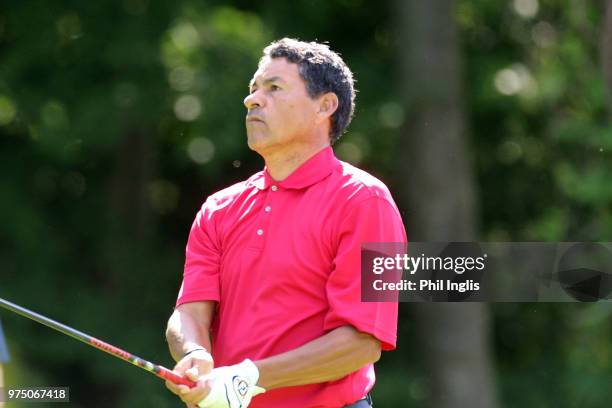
(195, 366)
(233, 386)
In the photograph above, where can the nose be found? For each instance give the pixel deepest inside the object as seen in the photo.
(253, 100)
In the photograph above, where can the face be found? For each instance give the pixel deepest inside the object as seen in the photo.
(280, 114)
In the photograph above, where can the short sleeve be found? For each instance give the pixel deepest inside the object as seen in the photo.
(202, 260)
(4, 355)
(374, 219)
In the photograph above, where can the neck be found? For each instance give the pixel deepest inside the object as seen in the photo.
(281, 164)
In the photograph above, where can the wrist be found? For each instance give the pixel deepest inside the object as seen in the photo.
(193, 350)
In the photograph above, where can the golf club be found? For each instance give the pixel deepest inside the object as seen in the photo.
(155, 369)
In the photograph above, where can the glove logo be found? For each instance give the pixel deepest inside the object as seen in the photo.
(241, 387)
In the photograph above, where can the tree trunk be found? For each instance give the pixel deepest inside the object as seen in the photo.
(606, 52)
(129, 199)
(439, 196)
(129, 218)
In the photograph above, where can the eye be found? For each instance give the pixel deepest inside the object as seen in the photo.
(275, 88)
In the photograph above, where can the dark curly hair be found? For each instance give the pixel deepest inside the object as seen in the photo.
(323, 71)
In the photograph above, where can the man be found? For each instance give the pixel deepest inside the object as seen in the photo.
(272, 267)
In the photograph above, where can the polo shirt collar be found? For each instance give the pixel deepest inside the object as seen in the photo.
(312, 171)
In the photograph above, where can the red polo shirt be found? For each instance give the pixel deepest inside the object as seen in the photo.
(282, 259)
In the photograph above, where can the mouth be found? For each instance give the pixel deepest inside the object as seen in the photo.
(254, 119)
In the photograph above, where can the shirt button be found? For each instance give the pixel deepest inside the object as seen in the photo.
(260, 232)
(268, 208)
(274, 188)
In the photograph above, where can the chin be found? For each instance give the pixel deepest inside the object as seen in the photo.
(261, 142)
(257, 143)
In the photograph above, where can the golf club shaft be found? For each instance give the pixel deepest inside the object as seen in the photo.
(155, 369)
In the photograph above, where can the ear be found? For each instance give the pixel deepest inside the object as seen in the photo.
(327, 105)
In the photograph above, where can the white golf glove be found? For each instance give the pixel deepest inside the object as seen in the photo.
(233, 386)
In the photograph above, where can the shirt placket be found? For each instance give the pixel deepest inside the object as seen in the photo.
(261, 230)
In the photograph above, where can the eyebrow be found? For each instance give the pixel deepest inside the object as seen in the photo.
(266, 81)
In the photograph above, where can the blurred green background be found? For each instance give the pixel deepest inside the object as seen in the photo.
(118, 118)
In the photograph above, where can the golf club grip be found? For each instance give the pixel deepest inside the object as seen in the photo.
(175, 378)
(158, 370)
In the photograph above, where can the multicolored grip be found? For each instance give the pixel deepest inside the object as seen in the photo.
(160, 371)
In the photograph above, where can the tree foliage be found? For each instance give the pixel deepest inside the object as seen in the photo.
(118, 118)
